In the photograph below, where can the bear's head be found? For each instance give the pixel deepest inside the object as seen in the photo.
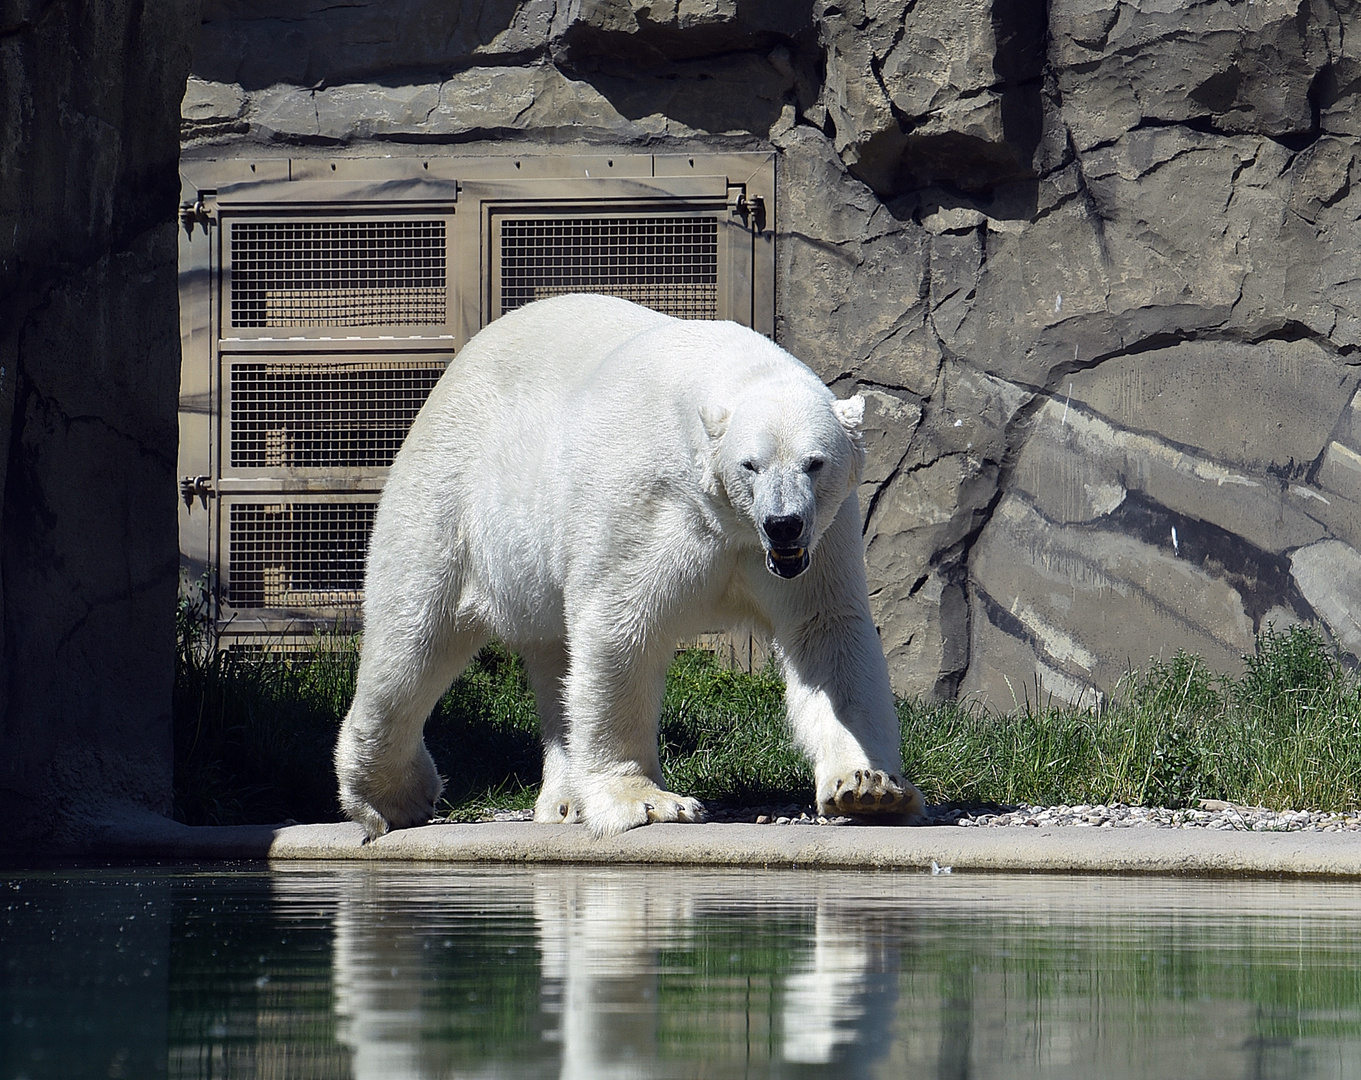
(787, 458)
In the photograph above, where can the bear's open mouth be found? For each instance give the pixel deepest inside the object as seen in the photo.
(787, 562)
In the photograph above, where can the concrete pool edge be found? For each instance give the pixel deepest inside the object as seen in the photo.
(1015, 849)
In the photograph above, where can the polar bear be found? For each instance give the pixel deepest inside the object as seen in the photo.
(593, 482)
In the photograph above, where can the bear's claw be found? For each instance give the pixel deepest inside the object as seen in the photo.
(873, 793)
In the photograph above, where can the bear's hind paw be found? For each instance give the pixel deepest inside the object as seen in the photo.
(552, 809)
(381, 812)
(874, 794)
(376, 824)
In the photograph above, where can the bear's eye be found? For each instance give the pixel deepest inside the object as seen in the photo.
(750, 466)
(814, 465)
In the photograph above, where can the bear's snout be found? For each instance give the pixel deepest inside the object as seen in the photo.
(783, 531)
(786, 555)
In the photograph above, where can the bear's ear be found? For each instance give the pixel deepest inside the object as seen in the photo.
(851, 413)
(715, 419)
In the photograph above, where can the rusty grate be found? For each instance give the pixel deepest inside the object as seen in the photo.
(297, 554)
(325, 415)
(667, 262)
(337, 273)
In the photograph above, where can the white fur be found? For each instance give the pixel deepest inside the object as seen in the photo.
(588, 483)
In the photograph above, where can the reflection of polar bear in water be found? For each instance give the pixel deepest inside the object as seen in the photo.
(593, 482)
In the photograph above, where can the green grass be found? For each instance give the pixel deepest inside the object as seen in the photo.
(1285, 734)
(253, 735)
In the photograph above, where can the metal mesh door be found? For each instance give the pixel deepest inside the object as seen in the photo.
(668, 262)
(291, 414)
(298, 554)
(322, 302)
(337, 273)
(317, 395)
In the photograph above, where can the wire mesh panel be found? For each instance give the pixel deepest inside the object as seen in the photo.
(325, 415)
(337, 273)
(298, 554)
(667, 262)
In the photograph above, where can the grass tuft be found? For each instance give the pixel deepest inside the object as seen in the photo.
(254, 735)
(1283, 736)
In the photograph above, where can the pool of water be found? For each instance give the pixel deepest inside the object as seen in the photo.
(374, 971)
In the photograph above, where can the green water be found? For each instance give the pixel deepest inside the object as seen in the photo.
(334, 971)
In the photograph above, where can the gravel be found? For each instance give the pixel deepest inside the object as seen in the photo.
(1209, 814)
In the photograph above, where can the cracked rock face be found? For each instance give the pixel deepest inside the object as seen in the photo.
(1094, 267)
(89, 372)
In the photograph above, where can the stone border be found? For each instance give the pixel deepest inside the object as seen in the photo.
(1036, 850)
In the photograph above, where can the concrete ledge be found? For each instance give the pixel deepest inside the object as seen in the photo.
(1057, 850)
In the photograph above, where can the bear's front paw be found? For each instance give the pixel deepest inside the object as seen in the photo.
(872, 793)
(621, 803)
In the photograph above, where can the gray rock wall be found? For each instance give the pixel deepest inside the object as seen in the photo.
(89, 370)
(1094, 266)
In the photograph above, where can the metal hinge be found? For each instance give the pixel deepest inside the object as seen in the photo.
(190, 486)
(197, 212)
(752, 211)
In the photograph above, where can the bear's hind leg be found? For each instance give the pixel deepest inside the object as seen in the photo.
(546, 665)
(387, 777)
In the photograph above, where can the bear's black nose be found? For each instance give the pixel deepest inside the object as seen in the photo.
(783, 531)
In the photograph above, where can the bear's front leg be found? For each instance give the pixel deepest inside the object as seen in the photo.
(613, 698)
(382, 788)
(837, 693)
(853, 746)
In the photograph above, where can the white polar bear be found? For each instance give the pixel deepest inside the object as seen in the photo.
(594, 482)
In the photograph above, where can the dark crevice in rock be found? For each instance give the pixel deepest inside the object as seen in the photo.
(24, 499)
(1312, 469)
(1007, 623)
(918, 584)
(1342, 192)
(55, 416)
(1240, 165)
(876, 384)
(583, 45)
(1096, 213)
(877, 57)
(1262, 579)
(1285, 331)
(845, 250)
(394, 78)
(952, 563)
(867, 514)
(1295, 141)
(118, 598)
(1021, 31)
(1056, 206)
(1220, 90)
(1290, 471)
(1292, 330)
(1286, 473)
